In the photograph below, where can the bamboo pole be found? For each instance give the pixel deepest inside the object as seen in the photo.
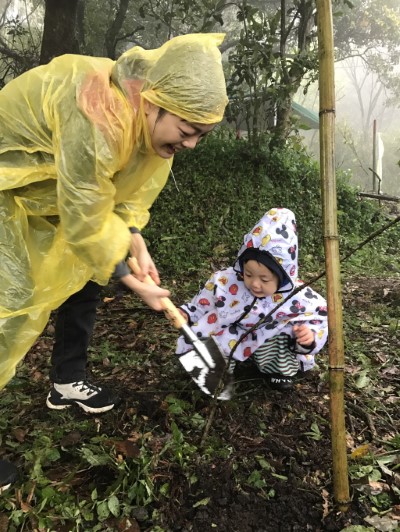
(374, 180)
(332, 259)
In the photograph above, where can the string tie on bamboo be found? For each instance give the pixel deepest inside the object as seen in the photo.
(326, 111)
(332, 236)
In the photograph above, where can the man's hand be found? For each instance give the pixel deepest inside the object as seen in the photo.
(151, 294)
(139, 250)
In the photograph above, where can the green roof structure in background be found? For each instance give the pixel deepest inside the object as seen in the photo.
(307, 119)
(304, 118)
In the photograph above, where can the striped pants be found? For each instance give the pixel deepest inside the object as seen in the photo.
(276, 355)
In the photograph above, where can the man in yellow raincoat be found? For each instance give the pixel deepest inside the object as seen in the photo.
(86, 146)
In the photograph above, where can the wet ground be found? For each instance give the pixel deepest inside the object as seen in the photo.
(264, 461)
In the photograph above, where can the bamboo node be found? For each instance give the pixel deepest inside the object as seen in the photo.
(336, 368)
(326, 111)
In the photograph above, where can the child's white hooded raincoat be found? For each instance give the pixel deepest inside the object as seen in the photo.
(225, 308)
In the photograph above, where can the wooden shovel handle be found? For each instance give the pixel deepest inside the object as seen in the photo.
(172, 313)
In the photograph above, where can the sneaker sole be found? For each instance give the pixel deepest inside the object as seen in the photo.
(92, 410)
(86, 408)
(57, 407)
(4, 488)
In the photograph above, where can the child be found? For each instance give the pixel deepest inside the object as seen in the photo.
(86, 146)
(235, 299)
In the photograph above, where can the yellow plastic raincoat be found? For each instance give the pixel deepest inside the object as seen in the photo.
(77, 170)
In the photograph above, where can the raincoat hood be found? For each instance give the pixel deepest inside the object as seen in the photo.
(275, 235)
(183, 76)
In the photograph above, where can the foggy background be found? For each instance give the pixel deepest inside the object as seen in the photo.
(360, 99)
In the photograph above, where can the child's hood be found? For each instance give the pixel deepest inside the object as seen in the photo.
(276, 235)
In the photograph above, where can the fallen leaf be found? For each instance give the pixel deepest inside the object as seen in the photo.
(126, 448)
(128, 525)
(360, 452)
(135, 436)
(71, 439)
(325, 504)
(37, 376)
(383, 524)
(19, 434)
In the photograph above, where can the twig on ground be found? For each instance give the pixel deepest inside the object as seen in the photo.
(364, 414)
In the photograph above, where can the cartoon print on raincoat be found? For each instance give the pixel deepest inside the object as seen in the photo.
(226, 309)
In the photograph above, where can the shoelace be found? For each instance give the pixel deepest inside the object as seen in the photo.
(84, 386)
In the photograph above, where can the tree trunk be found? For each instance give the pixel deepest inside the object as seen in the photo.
(292, 74)
(59, 33)
(80, 26)
(283, 119)
(114, 29)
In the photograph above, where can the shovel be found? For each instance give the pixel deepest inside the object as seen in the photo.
(205, 363)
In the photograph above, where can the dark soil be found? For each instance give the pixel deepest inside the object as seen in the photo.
(258, 468)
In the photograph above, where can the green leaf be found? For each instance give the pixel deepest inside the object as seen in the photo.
(363, 380)
(164, 490)
(202, 502)
(315, 433)
(281, 477)
(48, 492)
(103, 510)
(113, 505)
(95, 459)
(263, 463)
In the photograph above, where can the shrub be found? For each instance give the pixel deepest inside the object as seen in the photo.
(226, 185)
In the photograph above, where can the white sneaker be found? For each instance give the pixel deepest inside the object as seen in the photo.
(89, 397)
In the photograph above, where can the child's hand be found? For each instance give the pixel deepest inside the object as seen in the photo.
(304, 335)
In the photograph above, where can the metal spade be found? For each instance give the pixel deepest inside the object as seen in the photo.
(205, 363)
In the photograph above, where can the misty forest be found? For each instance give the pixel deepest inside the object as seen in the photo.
(322, 456)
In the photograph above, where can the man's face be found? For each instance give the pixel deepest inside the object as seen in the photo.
(169, 133)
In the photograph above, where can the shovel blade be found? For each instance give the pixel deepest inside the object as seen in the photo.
(207, 371)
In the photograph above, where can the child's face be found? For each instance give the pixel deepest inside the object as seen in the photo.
(259, 279)
(169, 133)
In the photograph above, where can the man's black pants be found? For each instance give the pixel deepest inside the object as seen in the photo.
(74, 327)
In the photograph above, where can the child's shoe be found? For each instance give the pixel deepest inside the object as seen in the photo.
(87, 396)
(8, 474)
(280, 382)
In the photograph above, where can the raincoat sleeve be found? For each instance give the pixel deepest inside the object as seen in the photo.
(203, 303)
(315, 317)
(86, 158)
(135, 212)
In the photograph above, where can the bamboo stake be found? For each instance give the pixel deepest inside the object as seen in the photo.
(332, 259)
